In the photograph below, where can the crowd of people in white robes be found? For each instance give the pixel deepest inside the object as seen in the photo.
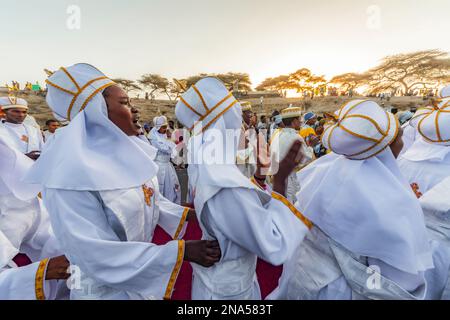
(353, 205)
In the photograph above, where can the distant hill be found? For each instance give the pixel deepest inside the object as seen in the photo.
(150, 109)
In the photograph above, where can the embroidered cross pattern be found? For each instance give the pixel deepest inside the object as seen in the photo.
(148, 194)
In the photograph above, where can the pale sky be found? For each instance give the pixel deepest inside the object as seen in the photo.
(178, 38)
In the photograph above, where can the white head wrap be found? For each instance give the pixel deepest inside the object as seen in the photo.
(159, 122)
(362, 130)
(366, 205)
(215, 117)
(433, 126)
(91, 153)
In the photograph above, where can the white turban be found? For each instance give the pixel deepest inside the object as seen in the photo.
(159, 122)
(91, 153)
(12, 103)
(433, 123)
(362, 130)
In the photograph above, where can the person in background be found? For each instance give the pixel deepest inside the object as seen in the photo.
(23, 137)
(169, 184)
(52, 125)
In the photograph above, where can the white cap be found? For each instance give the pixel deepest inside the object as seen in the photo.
(13, 103)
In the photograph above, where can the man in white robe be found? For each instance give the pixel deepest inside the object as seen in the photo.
(101, 191)
(25, 138)
(246, 221)
(368, 224)
(169, 184)
(31, 262)
(281, 142)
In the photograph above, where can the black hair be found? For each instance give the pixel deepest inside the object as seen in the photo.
(288, 122)
(47, 123)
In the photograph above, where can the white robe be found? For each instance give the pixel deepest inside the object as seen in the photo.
(426, 173)
(314, 274)
(246, 228)
(169, 184)
(17, 134)
(108, 235)
(25, 226)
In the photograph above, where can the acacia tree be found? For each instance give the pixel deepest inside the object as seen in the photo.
(232, 80)
(127, 85)
(155, 83)
(278, 84)
(302, 80)
(409, 71)
(350, 81)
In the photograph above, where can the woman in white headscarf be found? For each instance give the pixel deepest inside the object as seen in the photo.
(427, 162)
(426, 165)
(247, 222)
(31, 263)
(101, 191)
(369, 239)
(169, 184)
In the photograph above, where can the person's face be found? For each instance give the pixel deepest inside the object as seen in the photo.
(254, 119)
(163, 129)
(397, 145)
(53, 126)
(296, 124)
(311, 121)
(16, 115)
(247, 116)
(120, 111)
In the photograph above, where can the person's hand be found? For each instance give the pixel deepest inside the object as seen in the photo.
(34, 155)
(202, 252)
(263, 156)
(57, 268)
(286, 167)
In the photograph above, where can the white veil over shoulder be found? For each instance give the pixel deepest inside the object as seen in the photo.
(91, 153)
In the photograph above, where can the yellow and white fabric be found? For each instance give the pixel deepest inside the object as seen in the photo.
(96, 143)
(291, 112)
(362, 130)
(243, 218)
(101, 191)
(13, 103)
